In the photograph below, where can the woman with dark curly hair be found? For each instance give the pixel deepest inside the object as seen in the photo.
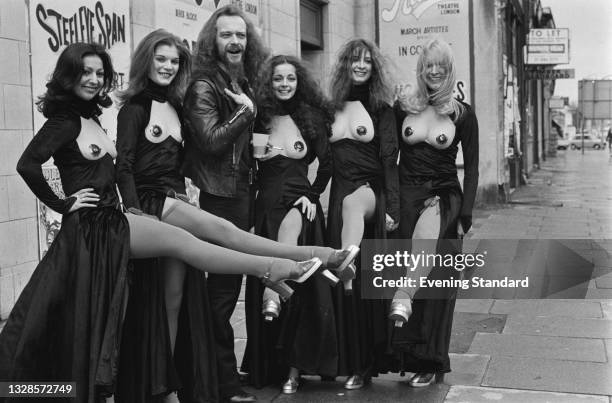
(150, 154)
(297, 117)
(67, 322)
(432, 124)
(364, 198)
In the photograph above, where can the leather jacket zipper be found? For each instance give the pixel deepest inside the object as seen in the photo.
(239, 112)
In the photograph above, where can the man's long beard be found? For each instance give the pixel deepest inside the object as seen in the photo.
(235, 70)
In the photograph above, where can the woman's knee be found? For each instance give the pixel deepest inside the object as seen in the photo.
(352, 207)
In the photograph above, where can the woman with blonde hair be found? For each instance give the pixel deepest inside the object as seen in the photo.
(432, 124)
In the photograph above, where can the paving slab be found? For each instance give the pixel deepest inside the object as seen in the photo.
(606, 307)
(561, 348)
(463, 394)
(239, 347)
(558, 307)
(266, 394)
(608, 343)
(378, 391)
(466, 325)
(473, 305)
(549, 375)
(604, 281)
(467, 369)
(599, 293)
(561, 326)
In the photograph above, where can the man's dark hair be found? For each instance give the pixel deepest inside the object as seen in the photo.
(206, 60)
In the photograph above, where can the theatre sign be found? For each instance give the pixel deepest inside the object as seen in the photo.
(404, 26)
(547, 46)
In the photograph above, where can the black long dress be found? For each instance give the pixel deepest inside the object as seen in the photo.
(426, 171)
(66, 324)
(363, 327)
(304, 335)
(147, 172)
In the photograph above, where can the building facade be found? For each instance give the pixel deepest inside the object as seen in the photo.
(488, 36)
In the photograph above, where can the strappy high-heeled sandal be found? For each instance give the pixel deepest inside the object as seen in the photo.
(341, 263)
(306, 268)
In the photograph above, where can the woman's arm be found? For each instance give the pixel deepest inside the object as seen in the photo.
(322, 151)
(131, 123)
(468, 130)
(55, 133)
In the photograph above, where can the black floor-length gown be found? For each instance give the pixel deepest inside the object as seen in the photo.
(425, 172)
(147, 173)
(66, 324)
(304, 335)
(363, 327)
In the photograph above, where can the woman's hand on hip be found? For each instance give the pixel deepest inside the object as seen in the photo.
(85, 198)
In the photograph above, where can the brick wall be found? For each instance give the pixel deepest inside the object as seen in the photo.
(18, 229)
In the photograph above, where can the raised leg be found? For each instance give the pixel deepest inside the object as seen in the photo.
(357, 208)
(211, 228)
(288, 233)
(152, 238)
(426, 231)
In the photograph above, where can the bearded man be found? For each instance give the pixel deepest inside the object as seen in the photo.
(218, 114)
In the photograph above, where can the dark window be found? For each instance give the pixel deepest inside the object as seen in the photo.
(311, 24)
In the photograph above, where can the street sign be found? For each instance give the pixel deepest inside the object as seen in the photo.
(556, 103)
(549, 74)
(547, 46)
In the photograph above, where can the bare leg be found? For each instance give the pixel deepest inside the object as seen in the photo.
(288, 233)
(290, 227)
(356, 209)
(427, 229)
(152, 238)
(211, 228)
(174, 276)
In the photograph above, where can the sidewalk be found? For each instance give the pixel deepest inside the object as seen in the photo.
(518, 350)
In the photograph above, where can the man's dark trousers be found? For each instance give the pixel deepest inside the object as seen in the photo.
(224, 289)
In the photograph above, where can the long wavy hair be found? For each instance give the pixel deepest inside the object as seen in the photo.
(142, 60)
(341, 81)
(437, 51)
(206, 60)
(308, 97)
(67, 75)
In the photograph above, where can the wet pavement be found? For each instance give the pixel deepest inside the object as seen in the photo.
(518, 350)
(552, 350)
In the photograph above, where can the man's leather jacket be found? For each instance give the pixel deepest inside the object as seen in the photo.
(216, 131)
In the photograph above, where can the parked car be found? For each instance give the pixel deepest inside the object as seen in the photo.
(562, 144)
(590, 141)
